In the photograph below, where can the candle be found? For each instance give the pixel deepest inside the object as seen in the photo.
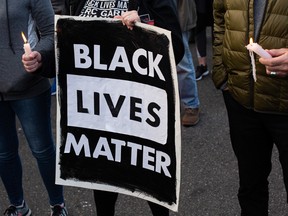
(257, 49)
(26, 45)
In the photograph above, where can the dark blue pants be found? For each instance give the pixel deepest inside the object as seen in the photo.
(34, 116)
(105, 204)
(253, 136)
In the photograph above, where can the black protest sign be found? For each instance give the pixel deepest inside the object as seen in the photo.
(118, 109)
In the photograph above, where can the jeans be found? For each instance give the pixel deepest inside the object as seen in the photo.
(186, 77)
(253, 136)
(34, 116)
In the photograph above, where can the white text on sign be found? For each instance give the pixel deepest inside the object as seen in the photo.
(82, 59)
(118, 106)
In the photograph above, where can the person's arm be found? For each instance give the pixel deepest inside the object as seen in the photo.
(32, 62)
(42, 64)
(42, 59)
(279, 62)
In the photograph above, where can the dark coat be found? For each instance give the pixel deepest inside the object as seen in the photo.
(163, 12)
(234, 26)
(60, 6)
(204, 10)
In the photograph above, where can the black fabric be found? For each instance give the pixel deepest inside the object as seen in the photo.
(133, 5)
(158, 210)
(105, 204)
(60, 7)
(164, 14)
(77, 5)
(48, 68)
(201, 41)
(253, 136)
(204, 10)
(163, 17)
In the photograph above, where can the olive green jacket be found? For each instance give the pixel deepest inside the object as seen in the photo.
(234, 25)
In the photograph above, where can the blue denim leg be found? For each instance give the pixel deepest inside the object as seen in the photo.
(34, 115)
(10, 165)
(186, 77)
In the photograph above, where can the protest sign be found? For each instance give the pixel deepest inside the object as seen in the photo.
(118, 126)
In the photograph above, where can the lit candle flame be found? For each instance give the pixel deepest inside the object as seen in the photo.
(26, 46)
(24, 38)
(251, 40)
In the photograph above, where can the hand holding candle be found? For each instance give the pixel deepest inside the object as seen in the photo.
(31, 60)
(26, 45)
(257, 49)
(254, 47)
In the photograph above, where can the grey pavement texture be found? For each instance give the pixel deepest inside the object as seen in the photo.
(209, 181)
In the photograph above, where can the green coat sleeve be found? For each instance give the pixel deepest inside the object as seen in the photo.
(219, 74)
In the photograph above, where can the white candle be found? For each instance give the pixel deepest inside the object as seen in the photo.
(258, 49)
(26, 45)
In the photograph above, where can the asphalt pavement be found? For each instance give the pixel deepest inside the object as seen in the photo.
(209, 178)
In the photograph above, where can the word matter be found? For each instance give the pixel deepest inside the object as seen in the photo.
(152, 159)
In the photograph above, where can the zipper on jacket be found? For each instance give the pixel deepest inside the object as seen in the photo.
(251, 87)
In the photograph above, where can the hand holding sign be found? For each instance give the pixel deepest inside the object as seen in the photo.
(129, 18)
(119, 109)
